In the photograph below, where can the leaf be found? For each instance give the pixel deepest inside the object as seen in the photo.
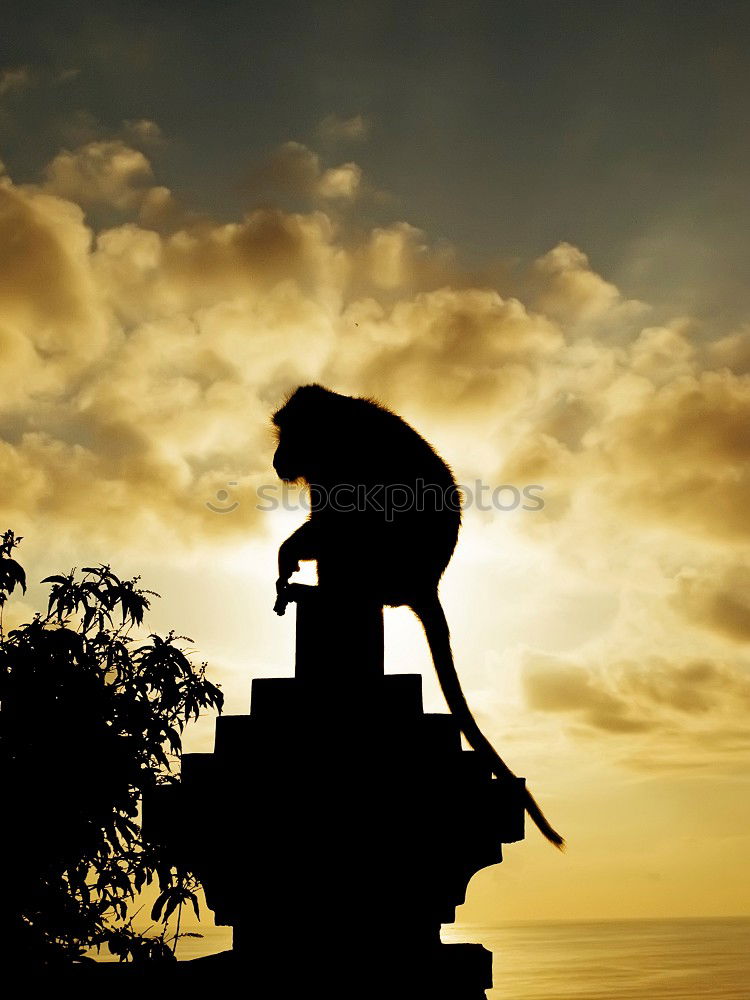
(12, 574)
(156, 909)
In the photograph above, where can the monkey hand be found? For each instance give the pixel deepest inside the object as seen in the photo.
(282, 599)
(288, 593)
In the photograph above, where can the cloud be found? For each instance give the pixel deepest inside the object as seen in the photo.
(17, 79)
(14, 80)
(656, 714)
(554, 686)
(731, 351)
(560, 384)
(563, 286)
(146, 363)
(719, 601)
(51, 329)
(102, 172)
(394, 256)
(483, 346)
(644, 430)
(66, 75)
(663, 353)
(159, 209)
(142, 361)
(78, 127)
(340, 183)
(337, 129)
(95, 432)
(683, 454)
(108, 174)
(141, 369)
(292, 170)
(144, 131)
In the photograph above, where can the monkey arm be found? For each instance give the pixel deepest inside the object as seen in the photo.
(301, 545)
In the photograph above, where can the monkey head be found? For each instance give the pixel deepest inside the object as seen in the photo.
(303, 425)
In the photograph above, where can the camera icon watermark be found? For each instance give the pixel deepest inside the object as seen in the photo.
(223, 496)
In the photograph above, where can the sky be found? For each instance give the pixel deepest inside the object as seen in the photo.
(520, 225)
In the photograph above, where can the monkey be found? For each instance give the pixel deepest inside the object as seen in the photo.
(380, 498)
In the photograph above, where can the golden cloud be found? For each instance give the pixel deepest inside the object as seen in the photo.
(338, 129)
(144, 131)
(293, 170)
(719, 601)
(553, 686)
(142, 362)
(732, 351)
(144, 357)
(465, 349)
(565, 287)
(657, 713)
(103, 172)
(340, 183)
(52, 327)
(683, 455)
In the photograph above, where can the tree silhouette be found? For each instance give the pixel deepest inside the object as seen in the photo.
(91, 716)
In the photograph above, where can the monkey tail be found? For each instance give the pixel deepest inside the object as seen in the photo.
(430, 613)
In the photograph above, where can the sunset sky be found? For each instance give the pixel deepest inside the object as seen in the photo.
(521, 225)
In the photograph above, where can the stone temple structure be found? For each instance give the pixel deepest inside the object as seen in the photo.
(336, 827)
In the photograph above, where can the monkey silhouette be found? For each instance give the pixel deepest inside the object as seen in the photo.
(385, 512)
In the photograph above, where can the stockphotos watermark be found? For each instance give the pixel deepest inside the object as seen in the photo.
(389, 499)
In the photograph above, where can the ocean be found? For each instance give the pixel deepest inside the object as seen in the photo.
(682, 959)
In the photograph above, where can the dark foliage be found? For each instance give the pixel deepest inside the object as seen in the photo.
(91, 715)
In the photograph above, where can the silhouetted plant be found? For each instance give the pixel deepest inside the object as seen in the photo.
(91, 716)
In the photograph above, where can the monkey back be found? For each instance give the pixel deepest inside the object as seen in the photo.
(385, 506)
